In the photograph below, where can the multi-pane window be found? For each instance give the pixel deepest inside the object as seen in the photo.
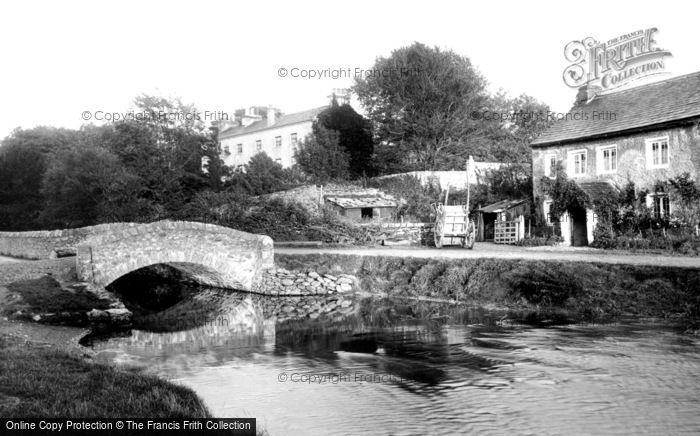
(258, 145)
(657, 152)
(578, 162)
(608, 159)
(293, 138)
(227, 150)
(278, 141)
(550, 165)
(239, 148)
(547, 210)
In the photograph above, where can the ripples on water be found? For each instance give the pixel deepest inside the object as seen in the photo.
(441, 370)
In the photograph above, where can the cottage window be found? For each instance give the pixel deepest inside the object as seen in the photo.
(550, 166)
(577, 162)
(607, 159)
(293, 138)
(239, 148)
(278, 141)
(258, 145)
(657, 152)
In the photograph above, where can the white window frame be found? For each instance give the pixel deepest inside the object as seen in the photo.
(239, 148)
(601, 159)
(572, 162)
(278, 141)
(548, 170)
(650, 153)
(258, 145)
(293, 138)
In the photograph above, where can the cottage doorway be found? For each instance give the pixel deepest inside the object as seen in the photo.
(579, 236)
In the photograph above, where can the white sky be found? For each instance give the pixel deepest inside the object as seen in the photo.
(59, 59)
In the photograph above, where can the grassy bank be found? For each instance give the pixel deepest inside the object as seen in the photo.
(588, 290)
(36, 381)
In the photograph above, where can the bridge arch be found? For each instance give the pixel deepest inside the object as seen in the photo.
(210, 254)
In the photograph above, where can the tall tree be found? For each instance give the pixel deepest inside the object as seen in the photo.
(322, 157)
(354, 136)
(420, 103)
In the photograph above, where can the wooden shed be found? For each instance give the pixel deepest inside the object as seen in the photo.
(501, 222)
(363, 208)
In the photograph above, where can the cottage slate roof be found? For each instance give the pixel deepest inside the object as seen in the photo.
(501, 206)
(284, 120)
(360, 202)
(657, 103)
(598, 190)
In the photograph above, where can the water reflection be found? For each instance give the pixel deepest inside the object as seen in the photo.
(391, 367)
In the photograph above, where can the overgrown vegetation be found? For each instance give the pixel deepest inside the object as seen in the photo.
(587, 290)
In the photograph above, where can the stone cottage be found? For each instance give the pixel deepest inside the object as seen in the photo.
(644, 134)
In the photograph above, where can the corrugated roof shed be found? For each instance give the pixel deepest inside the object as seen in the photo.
(361, 202)
(501, 206)
(644, 106)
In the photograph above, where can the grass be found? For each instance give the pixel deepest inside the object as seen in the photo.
(41, 382)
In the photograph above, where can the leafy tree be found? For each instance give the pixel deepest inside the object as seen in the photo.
(420, 106)
(23, 159)
(322, 157)
(354, 136)
(81, 186)
(262, 175)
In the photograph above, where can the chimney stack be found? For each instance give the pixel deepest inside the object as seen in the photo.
(271, 116)
(586, 93)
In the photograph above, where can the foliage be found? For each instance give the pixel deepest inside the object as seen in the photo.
(566, 195)
(262, 175)
(420, 111)
(322, 157)
(416, 197)
(545, 286)
(538, 241)
(354, 137)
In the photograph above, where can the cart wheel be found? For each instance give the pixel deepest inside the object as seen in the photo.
(437, 234)
(468, 240)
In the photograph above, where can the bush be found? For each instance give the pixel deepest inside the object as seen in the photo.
(544, 285)
(538, 241)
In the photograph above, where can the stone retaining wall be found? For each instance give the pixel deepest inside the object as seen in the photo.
(282, 282)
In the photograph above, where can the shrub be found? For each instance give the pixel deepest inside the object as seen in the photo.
(544, 285)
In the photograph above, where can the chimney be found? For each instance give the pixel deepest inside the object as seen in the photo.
(270, 116)
(586, 93)
(250, 117)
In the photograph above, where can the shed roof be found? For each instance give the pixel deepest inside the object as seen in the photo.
(361, 202)
(653, 104)
(501, 206)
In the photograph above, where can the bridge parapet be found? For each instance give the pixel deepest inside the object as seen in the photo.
(210, 254)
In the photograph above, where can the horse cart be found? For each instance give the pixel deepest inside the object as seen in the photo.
(453, 226)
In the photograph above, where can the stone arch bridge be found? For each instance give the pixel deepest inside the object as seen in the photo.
(209, 254)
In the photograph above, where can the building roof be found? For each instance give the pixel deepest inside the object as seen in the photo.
(360, 202)
(501, 206)
(654, 104)
(598, 190)
(284, 120)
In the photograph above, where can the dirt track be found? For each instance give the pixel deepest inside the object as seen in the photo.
(488, 250)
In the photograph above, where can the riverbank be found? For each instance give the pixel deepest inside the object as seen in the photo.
(44, 372)
(581, 290)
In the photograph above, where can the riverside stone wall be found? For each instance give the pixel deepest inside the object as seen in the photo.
(282, 282)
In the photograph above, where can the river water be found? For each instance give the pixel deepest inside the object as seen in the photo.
(406, 368)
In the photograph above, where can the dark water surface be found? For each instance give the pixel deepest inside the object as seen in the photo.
(405, 368)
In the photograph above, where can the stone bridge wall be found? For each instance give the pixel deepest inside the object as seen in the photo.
(44, 244)
(209, 254)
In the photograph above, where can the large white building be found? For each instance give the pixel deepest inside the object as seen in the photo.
(277, 137)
